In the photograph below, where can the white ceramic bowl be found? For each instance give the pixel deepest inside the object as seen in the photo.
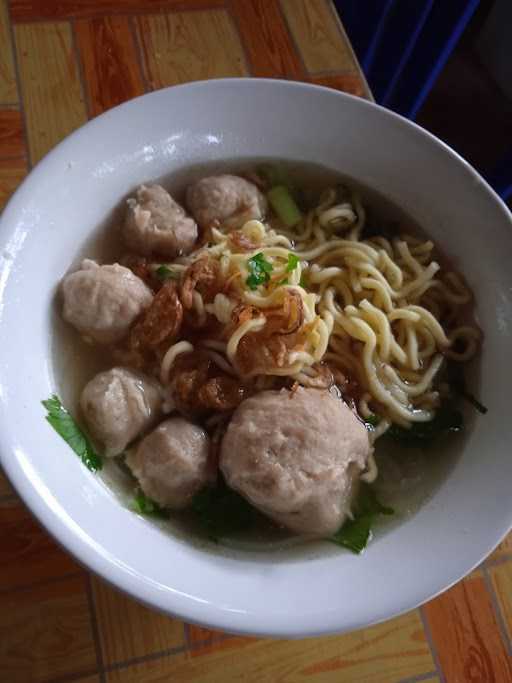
(72, 190)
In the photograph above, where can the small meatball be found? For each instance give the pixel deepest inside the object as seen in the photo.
(297, 457)
(225, 199)
(103, 301)
(156, 224)
(118, 405)
(171, 463)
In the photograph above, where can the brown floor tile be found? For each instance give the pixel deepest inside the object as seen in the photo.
(386, 653)
(8, 90)
(349, 83)
(12, 143)
(270, 49)
(27, 553)
(5, 486)
(45, 633)
(12, 172)
(52, 10)
(503, 550)
(466, 635)
(189, 46)
(129, 630)
(110, 62)
(317, 35)
(50, 83)
(501, 577)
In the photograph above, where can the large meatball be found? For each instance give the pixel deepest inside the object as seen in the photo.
(103, 301)
(118, 405)
(156, 224)
(296, 457)
(228, 199)
(171, 463)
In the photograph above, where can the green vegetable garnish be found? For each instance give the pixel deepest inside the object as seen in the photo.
(356, 533)
(271, 175)
(446, 420)
(220, 511)
(293, 262)
(67, 428)
(164, 273)
(372, 420)
(455, 377)
(284, 205)
(145, 506)
(259, 269)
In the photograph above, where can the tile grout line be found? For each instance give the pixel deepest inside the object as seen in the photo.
(119, 12)
(95, 628)
(160, 654)
(305, 73)
(497, 610)
(430, 641)
(418, 678)
(142, 659)
(70, 678)
(40, 584)
(15, 157)
(497, 561)
(186, 635)
(21, 100)
(80, 68)
(141, 60)
(326, 73)
(228, 8)
(358, 68)
(7, 497)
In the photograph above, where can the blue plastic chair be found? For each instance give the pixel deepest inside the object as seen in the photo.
(403, 45)
(501, 177)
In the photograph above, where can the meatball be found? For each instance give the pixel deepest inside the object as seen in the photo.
(228, 199)
(155, 223)
(118, 405)
(296, 456)
(171, 463)
(103, 301)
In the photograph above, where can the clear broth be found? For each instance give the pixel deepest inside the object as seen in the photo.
(408, 476)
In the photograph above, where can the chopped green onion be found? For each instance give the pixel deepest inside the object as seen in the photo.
(67, 428)
(293, 262)
(284, 205)
(270, 174)
(259, 271)
(164, 273)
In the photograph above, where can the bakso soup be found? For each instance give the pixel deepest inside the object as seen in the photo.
(259, 341)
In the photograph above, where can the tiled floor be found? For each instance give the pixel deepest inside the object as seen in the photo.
(62, 62)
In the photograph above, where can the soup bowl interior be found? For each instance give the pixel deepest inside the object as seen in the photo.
(68, 198)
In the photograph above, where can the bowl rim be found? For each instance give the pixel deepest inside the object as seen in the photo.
(73, 542)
